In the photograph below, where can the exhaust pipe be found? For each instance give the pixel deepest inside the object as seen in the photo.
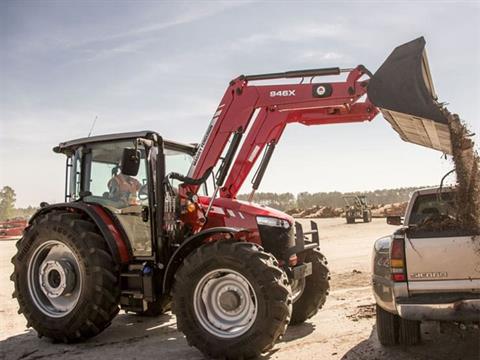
(402, 88)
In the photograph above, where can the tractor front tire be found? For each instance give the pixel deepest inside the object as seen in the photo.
(367, 216)
(231, 299)
(315, 292)
(66, 281)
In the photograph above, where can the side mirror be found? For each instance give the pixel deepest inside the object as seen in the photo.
(130, 162)
(394, 220)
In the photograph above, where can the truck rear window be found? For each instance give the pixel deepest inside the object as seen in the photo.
(434, 215)
(432, 208)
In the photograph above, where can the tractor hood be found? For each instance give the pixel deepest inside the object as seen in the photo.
(402, 88)
(238, 209)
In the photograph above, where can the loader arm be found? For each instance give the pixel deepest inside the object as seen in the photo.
(261, 112)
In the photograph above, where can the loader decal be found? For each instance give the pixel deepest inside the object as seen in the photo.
(205, 139)
(322, 90)
(282, 93)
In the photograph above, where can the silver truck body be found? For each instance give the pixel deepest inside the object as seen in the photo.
(442, 268)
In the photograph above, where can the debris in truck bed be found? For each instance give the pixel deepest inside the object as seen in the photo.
(467, 165)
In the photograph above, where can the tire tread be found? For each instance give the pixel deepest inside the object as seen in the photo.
(97, 311)
(271, 280)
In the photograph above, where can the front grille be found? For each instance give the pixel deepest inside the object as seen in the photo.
(276, 240)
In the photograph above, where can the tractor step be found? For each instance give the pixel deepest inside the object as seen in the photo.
(128, 303)
(137, 287)
(132, 274)
(134, 293)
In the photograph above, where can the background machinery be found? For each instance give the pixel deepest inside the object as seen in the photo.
(356, 207)
(141, 230)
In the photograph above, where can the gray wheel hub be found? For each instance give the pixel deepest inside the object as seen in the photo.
(225, 303)
(298, 287)
(54, 278)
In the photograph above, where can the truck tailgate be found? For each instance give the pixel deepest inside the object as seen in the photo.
(447, 264)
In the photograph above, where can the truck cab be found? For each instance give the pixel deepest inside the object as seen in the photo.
(428, 269)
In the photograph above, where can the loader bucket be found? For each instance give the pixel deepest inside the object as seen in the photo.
(402, 89)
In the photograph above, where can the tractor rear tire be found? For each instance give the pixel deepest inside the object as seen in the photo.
(231, 299)
(367, 216)
(387, 327)
(66, 281)
(315, 291)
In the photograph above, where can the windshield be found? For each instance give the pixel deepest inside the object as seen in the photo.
(97, 170)
(180, 162)
(176, 161)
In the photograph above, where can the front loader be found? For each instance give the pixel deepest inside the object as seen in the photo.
(356, 207)
(141, 230)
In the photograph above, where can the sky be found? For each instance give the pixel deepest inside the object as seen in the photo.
(165, 65)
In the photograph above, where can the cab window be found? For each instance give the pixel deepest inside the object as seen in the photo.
(431, 208)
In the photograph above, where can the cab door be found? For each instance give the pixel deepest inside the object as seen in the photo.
(127, 197)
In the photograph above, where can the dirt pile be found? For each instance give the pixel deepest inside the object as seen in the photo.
(467, 166)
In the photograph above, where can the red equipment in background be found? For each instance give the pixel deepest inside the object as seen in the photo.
(12, 229)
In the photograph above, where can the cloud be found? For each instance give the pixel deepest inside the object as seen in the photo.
(134, 39)
(120, 38)
(314, 55)
(304, 32)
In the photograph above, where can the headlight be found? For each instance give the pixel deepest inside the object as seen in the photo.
(271, 221)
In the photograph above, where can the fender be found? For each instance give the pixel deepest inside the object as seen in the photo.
(187, 247)
(110, 230)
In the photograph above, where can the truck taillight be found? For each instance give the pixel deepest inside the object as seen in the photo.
(397, 259)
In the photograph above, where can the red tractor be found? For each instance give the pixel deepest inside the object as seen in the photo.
(148, 224)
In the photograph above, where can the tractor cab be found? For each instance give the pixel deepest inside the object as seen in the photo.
(123, 173)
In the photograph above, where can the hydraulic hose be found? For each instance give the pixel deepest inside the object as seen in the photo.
(189, 180)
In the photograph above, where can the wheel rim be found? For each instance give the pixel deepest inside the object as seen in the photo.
(225, 303)
(298, 286)
(54, 279)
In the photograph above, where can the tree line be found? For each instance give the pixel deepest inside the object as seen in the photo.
(281, 201)
(7, 206)
(334, 199)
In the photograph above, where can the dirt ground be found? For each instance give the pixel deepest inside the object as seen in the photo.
(343, 329)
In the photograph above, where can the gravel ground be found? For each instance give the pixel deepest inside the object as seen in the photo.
(343, 329)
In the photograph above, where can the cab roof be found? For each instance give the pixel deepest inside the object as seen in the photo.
(435, 190)
(72, 145)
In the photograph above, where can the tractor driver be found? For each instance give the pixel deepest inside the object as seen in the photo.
(123, 188)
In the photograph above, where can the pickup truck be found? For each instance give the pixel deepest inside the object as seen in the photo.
(428, 269)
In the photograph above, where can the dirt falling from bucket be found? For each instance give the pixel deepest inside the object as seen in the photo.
(467, 165)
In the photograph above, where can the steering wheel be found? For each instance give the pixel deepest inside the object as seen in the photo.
(143, 192)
